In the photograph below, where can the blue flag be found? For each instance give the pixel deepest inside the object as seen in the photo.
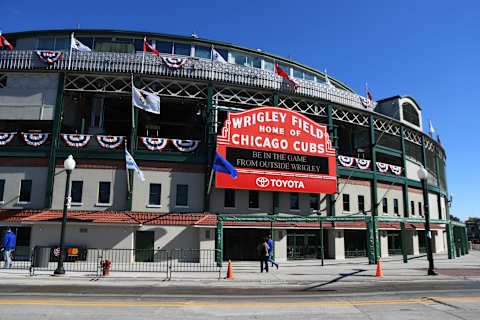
(131, 164)
(222, 165)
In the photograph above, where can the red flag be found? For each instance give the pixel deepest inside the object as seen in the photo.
(148, 48)
(5, 43)
(369, 95)
(282, 73)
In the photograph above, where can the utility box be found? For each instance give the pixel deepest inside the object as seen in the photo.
(42, 256)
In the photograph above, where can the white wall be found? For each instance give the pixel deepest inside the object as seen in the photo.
(13, 177)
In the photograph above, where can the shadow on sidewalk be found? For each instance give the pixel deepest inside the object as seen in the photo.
(342, 276)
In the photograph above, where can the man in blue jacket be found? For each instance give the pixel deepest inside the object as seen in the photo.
(270, 251)
(8, 245)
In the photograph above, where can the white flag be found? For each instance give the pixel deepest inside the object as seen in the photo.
(327, 81)
(216, 56)
(431, 130)
(132, 165)
(77, 45)
(145, 100)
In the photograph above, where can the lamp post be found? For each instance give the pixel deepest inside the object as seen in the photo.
(422, 175)
(69, 165)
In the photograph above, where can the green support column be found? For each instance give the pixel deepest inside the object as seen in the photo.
(273, 240)
(322, 250)
(373, 190)
(219, 242)
(371, 242)
(458, 241)
(406, 207)
(209, 138)
(132, 146)
(461, 241)
(404, 242)
(57, 125)
(450, 240)
(275, 99)
(331, 132)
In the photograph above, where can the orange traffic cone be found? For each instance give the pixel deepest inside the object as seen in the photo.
(379, 269)
(229, 271)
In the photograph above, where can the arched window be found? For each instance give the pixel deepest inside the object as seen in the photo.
(410, 113)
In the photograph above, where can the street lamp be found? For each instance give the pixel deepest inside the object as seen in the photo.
(423, 175)
(69, 165)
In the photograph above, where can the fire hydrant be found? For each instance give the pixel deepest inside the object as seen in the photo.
(106, 267)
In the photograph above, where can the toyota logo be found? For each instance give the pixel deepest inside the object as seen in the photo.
(262, 182)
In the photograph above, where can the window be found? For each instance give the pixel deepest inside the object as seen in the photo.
(25, 190)
(385, 205)
(203, 52)
(268, 65)
(103, 192)
(229, 200)
(410, 113)
(314, 200)
(395, 206)
(182, 49)
(163, 47)
(111, 45)
(253, 199)
(182, 195)
(294, 205)
(2, 189)
(420, 209)
(46, 44)
(155, 192)
(361, 204)
(245, 60)
(297, 73)
(308, 76)
(77, 188)
(346, 202)
(412, 208)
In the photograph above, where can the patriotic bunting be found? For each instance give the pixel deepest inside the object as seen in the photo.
(365, 102)
(49, 57)
(363, 164)
(35, 139)
(396, 169)
(186, 145)
(382, 167)
(346, 161)
(76, 140)
(6, 138)
(174, 63)
(109, 142)
(154, 144)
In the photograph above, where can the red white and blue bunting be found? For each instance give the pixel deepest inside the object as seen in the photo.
(363, 164)
(76, 140)
(154, 144)
(35, 139)
(186, 145)
(109, 142)
(49, 57)
(396, 169)
(365, 101)
(174, 63)
(346, 161)
(6, 138)
(382, 167)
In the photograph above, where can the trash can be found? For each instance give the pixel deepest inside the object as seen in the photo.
(42, 255)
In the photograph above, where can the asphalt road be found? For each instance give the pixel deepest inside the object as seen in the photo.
(414, 300)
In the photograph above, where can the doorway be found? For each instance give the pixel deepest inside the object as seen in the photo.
(304, 244)
(144, 243)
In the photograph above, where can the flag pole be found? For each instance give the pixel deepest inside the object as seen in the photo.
(128, 175)
(210, 181)
(143, 56)
(133, 110)
(70, 55)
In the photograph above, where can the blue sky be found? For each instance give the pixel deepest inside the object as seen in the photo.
(426, 49)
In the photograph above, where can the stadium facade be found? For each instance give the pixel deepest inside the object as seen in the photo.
(55, 101)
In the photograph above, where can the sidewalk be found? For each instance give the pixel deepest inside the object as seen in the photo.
(291, 273)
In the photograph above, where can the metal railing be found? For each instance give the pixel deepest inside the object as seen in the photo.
(355, 253)
(195, 68)
(89, 260)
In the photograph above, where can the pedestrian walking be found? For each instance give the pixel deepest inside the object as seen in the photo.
(8, 245)
(262, 250)
(270, 252)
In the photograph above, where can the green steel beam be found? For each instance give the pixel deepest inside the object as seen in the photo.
(132, 146)
(210, 141)
(331, 132)
(244, 218)
(373, 190)
(275, 99)
(404, 242)
(371, 243)
(450, 241)
(406, 206)
(57, 126)
(389, 151)
(219, 244)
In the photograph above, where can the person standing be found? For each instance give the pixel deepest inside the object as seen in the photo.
(8, 245)
(263, 249)
(270, 251)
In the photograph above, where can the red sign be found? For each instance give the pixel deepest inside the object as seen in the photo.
(277, 149)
